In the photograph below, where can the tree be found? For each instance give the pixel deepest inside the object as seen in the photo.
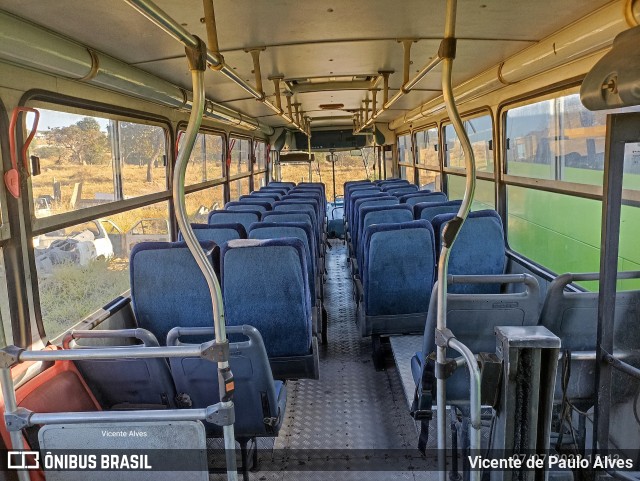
(84, 141)
(141, 145)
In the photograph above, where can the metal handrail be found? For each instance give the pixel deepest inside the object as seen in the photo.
(449, 235)
(162, 19)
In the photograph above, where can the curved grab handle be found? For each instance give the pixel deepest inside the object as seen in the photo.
(173, 337)
(12, 177)
(147, 338)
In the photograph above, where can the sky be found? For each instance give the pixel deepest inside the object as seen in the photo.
(50, 119)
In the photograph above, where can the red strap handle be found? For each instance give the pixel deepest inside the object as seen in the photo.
(232, 144)
(12, 177)
(178, 139)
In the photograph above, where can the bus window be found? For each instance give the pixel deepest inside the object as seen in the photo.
(206, 159)
(405, 157)
(427, 157)
(547, 228)
(76, 153)
(484, 197)
(239, 187)
(261, 155)
(556, 139)
(82, 267)
(88, 160)
(143, 153)
(480, 132)
(240, 154)
(201, 202)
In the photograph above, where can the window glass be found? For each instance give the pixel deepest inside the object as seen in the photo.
(206, 159)
(200, 203)
(88, 160)
(404, 149)
(261, 155)
(480, 132)
(484, 197)
(6, 337)
(240, 150)
(83, 267)
(556, 139)
(544, 227)
(429, 179)
(427, 148)
(239, 187)
(76, 162)
(407, 173)
(388, 163)
(142, 158)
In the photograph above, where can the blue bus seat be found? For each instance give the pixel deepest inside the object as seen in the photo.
(168, 288)
(423, 196)
(403, 190)
(218, 233)
(397, 276)
(264, 284)
(478, 250)
(259, 401)
(268, 199)
(125, 383)
(286, 185)
(245, 206)
(385, 214)
(428, 210)
(245, 217)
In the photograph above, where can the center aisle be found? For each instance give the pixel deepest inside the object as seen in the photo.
(351, 407)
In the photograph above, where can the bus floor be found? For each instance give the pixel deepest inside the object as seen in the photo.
(353, 423)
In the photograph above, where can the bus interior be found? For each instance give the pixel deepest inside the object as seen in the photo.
(280, 240)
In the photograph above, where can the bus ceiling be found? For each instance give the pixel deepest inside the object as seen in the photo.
(346, 65)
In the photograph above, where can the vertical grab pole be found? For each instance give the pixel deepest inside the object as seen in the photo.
(198, 64)
(447, 53)
(10, 407)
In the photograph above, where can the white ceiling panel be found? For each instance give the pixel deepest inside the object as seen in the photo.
(309, 39)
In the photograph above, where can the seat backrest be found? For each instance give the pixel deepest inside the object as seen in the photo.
(255, 398)
(385, 214)
(125, 383)
(300, 230)
(245, 217)
(479, 249)
(300, 206)
(168, 288)
(367, 202)
(428, 210)
(473, 318)
(398, 268)
(403, 190)
(287, 185)
(277, 190)
(423, 196)
(261, 194)
(357, 187)
(396, 184)
(393, 181)
(361, 194)
(264, 284)
(244, 206)
(268, 198)
(260, 201)
(218, 233)
(313, 198)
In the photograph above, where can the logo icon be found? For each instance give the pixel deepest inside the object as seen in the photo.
(23, 460)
